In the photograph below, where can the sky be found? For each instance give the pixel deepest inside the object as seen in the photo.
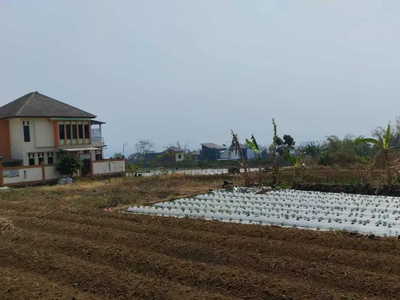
(190, 71)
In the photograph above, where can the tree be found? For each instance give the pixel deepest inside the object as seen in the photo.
(275, 141)
(236, 147)
(289, 141)
(144, 146)
(295, 162)
(252, 143)
(68, 164)
(382, 142)
(117, 155)
(314, 149)
(135, 158)
(282, 145)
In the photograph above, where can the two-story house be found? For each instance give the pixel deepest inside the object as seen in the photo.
(35, 127)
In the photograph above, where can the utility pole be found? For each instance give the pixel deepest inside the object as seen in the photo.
(123, 149)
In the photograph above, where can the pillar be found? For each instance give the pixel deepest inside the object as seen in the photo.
(43, 172)
(1, 171)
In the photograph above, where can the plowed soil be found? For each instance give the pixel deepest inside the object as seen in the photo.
(54, 252)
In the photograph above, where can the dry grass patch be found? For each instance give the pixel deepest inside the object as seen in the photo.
(115, 193)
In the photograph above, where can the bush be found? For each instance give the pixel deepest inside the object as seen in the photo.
(68, 164)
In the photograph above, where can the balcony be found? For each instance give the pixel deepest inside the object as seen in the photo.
(97, 139)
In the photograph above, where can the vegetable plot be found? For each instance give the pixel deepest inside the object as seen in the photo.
(379, 215)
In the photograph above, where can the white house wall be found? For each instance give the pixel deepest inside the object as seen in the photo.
(179, 156)
(41, 138)
(44, 133)
(16, 138)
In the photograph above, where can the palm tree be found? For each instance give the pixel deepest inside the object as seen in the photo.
(382, 142)
(314, 149)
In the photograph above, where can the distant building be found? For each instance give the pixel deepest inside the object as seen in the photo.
(195, 156)
(168, 156)
(211, 151)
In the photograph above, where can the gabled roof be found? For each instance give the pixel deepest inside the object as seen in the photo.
(213, 146)
(37, 105)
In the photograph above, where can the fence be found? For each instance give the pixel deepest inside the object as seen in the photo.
(108, 167)
(25, 175)
(12, 176)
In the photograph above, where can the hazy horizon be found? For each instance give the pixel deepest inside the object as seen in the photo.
(190, 71)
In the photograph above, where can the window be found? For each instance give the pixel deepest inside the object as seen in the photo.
(68, 129)
(41, 157)
(80, 127)
(31, 157)
(74, 132)
(99, 154)
(87, 135)
(50, 158)
(180, 156)
(62, 131)
(27, 133)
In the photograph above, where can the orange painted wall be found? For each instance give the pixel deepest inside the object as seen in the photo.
(5, 144)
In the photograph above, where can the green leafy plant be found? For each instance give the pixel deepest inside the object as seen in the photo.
(276, 140)
(135, 167)
(117, 155)
(382, 157)
(289, 158)
(252, 143)
(297, 177)
(68, 164)
(237, 149)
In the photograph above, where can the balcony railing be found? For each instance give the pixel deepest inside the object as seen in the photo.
(97, 139)
(96, 132)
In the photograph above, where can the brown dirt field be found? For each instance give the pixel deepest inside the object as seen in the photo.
(58, 243)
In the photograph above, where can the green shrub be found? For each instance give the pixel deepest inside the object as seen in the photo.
(68, 164)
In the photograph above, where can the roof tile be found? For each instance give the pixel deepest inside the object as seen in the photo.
(38, 105)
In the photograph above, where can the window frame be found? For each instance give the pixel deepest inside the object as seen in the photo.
(30, 157)
(81, 131)
(61, 131)
(26, 131)
(50, 155)
(68, 130)
(98, 154)
(86, 130)
(74, 131)
(40, 156)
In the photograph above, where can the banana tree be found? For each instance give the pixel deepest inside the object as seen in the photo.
(294, 161)
(236, 147)
(289, 158)
(252, 143)
(383, 145)
(275, 173)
